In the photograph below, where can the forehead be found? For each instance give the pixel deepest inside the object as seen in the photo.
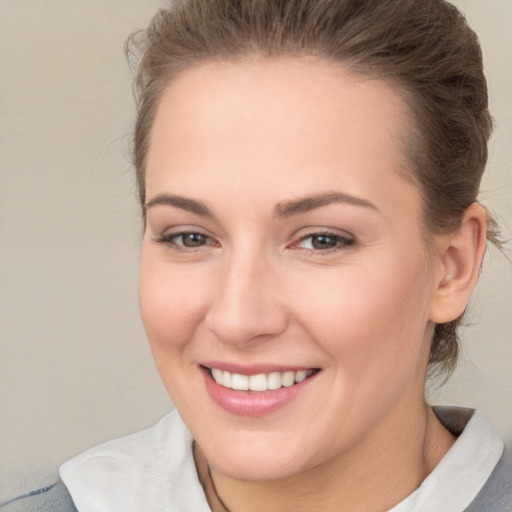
(288, 124)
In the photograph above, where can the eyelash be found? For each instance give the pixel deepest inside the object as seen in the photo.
(341, 242)
(170, 240)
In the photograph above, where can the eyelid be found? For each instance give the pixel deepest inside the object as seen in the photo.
(168, 237)
(344, 240)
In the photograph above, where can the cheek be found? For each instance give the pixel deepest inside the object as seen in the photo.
(170, 305)
(371, 320)
(171, 309)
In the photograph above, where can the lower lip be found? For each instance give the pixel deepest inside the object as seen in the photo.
(247, 403)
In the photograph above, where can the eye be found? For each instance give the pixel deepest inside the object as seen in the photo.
(324, 242)
(190, 239)
(185, 240)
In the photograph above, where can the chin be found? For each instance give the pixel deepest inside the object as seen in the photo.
(259, 460)
(254, 471)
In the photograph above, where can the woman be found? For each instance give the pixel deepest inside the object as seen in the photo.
(308, 174)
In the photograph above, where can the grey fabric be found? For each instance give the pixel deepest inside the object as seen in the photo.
(52, 498)
(496, 494)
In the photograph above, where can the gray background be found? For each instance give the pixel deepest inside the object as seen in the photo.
(75, 368)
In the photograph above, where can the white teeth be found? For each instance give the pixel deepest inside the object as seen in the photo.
(217, 375)
(288, 379)
(260, 382)
(226, 379)
(300, 375)
(239, 382)
(274, 380)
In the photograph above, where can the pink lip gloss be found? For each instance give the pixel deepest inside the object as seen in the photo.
(252, 403)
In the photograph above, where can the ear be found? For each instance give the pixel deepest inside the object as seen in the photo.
(460, 257)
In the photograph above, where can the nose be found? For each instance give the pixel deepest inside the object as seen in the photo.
(247, 305)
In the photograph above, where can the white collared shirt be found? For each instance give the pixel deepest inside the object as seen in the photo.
(154, 470)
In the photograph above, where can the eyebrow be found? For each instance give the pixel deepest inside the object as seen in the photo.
(308, 203)
(185, 203)
(282, 210)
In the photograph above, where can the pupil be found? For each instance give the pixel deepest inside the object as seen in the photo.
(323, 242)
(193, 240)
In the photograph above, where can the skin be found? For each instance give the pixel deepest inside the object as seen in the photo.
(246, 139)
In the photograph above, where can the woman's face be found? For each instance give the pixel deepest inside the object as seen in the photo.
(284, 242)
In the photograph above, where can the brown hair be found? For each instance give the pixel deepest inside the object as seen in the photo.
(423, 47)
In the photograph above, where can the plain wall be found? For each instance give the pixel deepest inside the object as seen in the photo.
(75, 368)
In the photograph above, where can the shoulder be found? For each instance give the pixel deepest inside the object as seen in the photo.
(51, 498)
(150, 470)
(476, 473)
(496, 494)
(133, 456)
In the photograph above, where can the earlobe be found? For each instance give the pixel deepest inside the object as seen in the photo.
(460, 259)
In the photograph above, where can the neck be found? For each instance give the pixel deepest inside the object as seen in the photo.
(371, 476)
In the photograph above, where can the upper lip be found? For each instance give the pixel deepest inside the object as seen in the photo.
(254, 369)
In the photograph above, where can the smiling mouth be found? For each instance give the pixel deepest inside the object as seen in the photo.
(261, 382)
